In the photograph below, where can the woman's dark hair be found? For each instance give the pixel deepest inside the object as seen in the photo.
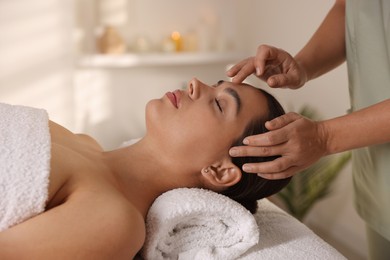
(252, 187)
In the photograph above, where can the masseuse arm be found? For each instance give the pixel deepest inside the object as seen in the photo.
(305, 143)
(326, 49)
(77, 229)
(302, 142)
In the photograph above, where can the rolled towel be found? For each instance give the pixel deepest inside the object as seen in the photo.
(198, 224)
(24, 163)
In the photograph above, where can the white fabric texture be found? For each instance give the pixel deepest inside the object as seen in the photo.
(24, 163)
(198, 224)
(284, 237)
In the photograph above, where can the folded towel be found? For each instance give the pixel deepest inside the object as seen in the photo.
(24, 163)
(198, 224)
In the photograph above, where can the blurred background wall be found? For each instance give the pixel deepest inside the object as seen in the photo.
(49, 59)
(36, 64)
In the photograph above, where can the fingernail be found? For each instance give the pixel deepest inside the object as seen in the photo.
(247, 168)
(233, 152)
(245, 141)
(271, 82)
(258, 71)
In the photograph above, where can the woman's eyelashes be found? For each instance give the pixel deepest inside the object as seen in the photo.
(219, 105)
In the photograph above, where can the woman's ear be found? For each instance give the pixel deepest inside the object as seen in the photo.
(221, 174)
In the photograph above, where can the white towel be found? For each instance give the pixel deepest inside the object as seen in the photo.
(198, 224)
(24, 163)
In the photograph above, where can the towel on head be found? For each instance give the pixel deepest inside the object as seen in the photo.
(198, 224)
(24, 163)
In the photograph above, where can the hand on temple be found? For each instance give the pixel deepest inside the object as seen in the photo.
(274, 66)
(299, 141)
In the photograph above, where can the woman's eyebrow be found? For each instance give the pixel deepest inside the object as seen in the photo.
(218, 83)
(236, 98)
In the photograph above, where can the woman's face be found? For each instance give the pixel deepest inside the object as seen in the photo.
(197, 126)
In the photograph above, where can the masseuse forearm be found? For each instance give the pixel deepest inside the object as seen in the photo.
(369, 126)
(326, 49)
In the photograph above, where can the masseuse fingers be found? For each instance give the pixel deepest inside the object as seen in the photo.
(264, 55)
(236, 68)
(280, 175)
(242, 70)
(265, 144)
(278, 68)
(280, 81)
(282, 121)
(271, 138)
(270, 167)
(255, 151)
(290, 79)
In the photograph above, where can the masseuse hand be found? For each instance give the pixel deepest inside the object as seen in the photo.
(272, 65)
(298, 140)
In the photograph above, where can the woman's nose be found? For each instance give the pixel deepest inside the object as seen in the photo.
(194, 86)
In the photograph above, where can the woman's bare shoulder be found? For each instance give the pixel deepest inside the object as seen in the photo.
(89, 227)
(62, 135)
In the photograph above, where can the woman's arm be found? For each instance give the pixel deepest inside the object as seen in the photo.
(77, 229)
(326, 49)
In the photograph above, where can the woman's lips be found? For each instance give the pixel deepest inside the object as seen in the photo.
(173, 97)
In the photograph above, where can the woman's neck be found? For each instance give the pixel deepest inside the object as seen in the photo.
(143, 174)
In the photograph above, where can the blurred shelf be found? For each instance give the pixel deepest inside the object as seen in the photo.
(158, 59)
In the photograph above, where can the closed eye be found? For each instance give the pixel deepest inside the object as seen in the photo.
(219, 105)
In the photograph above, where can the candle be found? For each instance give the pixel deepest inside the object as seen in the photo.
(177, 40)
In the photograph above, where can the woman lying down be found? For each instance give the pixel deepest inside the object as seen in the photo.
(96, 201)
